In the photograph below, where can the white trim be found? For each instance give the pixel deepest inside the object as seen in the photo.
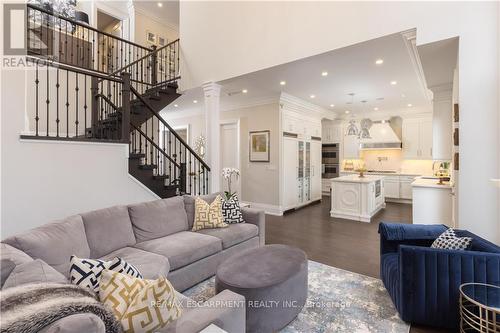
(235, 121)
(269, 209)
(298, 105)
(144, 186)
(62, 141)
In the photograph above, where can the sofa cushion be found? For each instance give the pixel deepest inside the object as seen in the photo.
(151, 265)
(183, 248)
(159, 218)
(234, 234)
(11, 253)
(6, 267)
(189, 205)
(108, 229)
(478, 243)
(36, 271)
(389, 266)
(54, 243)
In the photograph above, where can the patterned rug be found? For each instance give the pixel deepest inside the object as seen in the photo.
(338, 301)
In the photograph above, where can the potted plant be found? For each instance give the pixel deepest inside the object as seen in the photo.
(227, 174)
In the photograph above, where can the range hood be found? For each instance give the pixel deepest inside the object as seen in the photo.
(383, 136)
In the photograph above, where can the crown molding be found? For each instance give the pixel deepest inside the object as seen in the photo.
(265, 100)
(410, 40)
(299, 105)
(157, 19)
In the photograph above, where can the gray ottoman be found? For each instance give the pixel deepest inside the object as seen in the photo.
(273, 279)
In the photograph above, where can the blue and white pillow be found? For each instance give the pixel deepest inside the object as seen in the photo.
(449, 240)
(231, 210)
(87, 272)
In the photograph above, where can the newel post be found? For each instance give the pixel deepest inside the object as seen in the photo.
(125, 125)
(154, 65)
(94, 88)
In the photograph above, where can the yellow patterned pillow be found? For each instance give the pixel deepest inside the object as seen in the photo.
(140, 305)
(208, 216)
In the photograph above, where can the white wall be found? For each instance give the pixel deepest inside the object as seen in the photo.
(42, 181)
(144, 23)
(221, 40)
(259, 181)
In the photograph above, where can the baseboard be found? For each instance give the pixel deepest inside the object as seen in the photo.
(405, 201)
(269, 209)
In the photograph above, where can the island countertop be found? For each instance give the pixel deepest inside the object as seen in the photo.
(356, 179)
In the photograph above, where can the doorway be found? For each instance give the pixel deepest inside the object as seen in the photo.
(230, 154)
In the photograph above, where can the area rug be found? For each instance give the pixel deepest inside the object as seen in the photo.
(338, 301)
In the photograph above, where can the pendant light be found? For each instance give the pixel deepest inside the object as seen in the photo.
(365, 125)
(352, 129)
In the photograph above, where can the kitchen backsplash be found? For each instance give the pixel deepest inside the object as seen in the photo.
(391, 160)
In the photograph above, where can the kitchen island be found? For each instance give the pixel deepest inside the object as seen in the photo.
(357, 198)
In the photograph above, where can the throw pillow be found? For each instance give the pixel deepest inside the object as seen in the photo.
(140, 305)
(87, 272)
(208, 216)
(449, 240)
(231, 210)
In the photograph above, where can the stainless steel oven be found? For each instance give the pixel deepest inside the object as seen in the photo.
(330, 161)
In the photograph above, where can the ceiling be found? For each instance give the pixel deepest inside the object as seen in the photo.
(439, 60)
(350, 70)
(168, 12)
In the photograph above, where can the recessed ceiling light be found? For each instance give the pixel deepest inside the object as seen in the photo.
(332, 105)
(347, 111)
(244, 91)
(282, 83)
(160, 4)
(394, 83)
(324, 74)
(383, 121)
(195, 101)
(410, 105)
(379, 61)
(176, 105)
(375, 108)
(312, 96)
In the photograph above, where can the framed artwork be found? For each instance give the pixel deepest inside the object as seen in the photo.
(259, 146)
(151, 37)
(162, 41)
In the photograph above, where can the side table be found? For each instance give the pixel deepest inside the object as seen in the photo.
(479, 308)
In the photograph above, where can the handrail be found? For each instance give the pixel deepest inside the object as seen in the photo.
(32, 6)
(151, 109)
(78, 70)
(142, 58)
(107, 100)
(155, 145)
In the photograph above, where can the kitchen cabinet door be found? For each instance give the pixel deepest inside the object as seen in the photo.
(326, 132)
(411, 138)
(336, 133)
(351, 147)
(425, 135)
(315, 170)
(405, 191)
(290, 173)
(391, 187)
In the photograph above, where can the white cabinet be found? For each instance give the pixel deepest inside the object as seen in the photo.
(432, 204)
(290, 172)
(405, 190)
(417, 138)
(326, 186)
(391, 185)
(331, 132)
(315, 170)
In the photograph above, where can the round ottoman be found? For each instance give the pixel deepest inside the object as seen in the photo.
(273, 279)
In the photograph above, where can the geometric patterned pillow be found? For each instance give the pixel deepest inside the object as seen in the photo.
(87, 272)
(140, 305)
(208, 216)
(449, 240)
(231, 210)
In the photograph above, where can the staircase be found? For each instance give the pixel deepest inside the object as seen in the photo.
(92, 86)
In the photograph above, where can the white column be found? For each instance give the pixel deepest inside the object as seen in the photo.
(212, 123)
(442, 122)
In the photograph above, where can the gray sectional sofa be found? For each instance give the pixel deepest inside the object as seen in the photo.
(154, 236)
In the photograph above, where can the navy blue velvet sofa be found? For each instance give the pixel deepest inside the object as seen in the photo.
(423, 282)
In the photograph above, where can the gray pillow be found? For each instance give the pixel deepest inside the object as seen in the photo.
(6, 267)
(54, 243)
(159, 218)
(36, 271)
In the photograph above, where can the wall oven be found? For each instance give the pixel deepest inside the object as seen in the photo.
(330, 160)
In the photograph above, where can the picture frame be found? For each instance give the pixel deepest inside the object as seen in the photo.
(259, 146)
(162, 41)
(151, 37)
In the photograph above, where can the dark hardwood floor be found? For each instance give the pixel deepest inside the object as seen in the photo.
(350, 245)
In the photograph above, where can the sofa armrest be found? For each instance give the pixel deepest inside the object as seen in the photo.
(257, 217)
(225, 310)
(76, 323)
(430, 279)
(394, 234)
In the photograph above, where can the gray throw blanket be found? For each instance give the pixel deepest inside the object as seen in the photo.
(29, 308)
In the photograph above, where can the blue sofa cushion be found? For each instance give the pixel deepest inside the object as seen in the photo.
(478, 244)
(390, 276)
